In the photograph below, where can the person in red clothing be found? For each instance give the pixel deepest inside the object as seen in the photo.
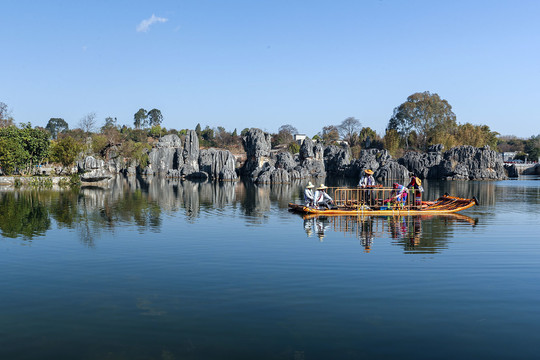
(399, 194)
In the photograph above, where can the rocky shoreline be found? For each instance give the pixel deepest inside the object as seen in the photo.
(176, 158)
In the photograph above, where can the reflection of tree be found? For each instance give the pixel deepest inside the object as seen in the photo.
(23, 214)
(64, 208)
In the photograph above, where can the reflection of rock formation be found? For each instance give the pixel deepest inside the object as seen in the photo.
(255, 200)
(217, 195)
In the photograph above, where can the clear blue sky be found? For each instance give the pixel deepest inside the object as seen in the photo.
(250, 63)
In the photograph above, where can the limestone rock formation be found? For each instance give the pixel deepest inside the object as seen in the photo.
(459, 163)
(257, 145)
(511, 170)
(218, 164)
(262, 166)
(190, 154)
(174, 158)
(423, 165)
(165, 156)
(337, 158)
(382, 164)
(534, 170)
(311, 158)
(469, 163)
(93, 170)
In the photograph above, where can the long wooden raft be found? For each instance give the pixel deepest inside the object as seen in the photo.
(444, 205)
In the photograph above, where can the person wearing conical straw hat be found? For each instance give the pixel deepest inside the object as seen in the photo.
(322, 199)
(308, 194)
(367, 179)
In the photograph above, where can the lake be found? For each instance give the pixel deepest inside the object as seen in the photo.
(165, 269)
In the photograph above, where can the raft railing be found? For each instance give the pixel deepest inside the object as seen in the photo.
(374, 197)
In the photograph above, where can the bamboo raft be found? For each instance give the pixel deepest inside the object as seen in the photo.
(366, 202)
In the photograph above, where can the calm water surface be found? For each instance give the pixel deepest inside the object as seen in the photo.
(178, 270)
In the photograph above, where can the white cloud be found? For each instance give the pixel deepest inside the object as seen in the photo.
(144, 26)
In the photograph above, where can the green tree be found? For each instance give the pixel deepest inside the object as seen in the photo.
(56, 126)
(475, 135)
(293, 147)
(426, 114)
(367, 137)
(207, 137)
(156, 131)
(136, 151)
(329, 134)
(154, 117)
(99, 144)
(532, 147)
(110, 123)
(65, 151)
(391, 141)
(284, 135)
(140, 118)
(12, 155)
(36, 144)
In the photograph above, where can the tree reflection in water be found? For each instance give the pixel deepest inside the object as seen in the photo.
(425, 234)
(23, 214)
(142, 201)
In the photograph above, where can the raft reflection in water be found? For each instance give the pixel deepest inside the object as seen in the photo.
(425, 233)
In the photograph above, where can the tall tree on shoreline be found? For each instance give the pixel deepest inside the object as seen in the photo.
(56, 126)
(155, 117)
(140, 118)
(424, 113)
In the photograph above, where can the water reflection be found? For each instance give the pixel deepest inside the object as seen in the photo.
(23, 214)
(415, 234)
(142, 202)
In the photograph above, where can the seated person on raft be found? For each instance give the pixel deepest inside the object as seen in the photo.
(308, 195)
(322, 199)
